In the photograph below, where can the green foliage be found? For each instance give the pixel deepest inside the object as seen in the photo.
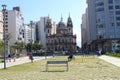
(37, 46)
(113, 54)
(1, 48)
(28, 47)
(19, 46)
(1, 44)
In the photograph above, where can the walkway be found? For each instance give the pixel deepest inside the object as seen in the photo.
(113, 60)
(21, 60)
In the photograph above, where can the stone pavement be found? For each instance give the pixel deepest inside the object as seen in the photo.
(21, 60)
(113, 60)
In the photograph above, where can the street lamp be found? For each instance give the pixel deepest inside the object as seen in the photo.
(31, 23)
(4, 9)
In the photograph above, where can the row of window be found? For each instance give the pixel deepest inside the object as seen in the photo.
(113, 1)
(110, 8)
(113, 24)
(116, 7)
(101, 3)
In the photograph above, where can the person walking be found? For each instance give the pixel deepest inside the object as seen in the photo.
(9, 57)
(14, 57)
(31, 57)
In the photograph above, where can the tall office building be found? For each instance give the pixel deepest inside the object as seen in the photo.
(1, 26)
(103, 25)
(14, 24)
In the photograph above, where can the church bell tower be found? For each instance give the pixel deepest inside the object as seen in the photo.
(70, 25)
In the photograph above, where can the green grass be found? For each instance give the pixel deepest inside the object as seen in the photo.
(113, 54)
(0, 60)
(83, 68)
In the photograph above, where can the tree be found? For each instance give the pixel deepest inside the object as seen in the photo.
(1, 48)
(19, 46)
(28, 47)
(37, 46)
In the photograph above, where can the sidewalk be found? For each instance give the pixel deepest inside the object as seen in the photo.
(21, 60)
(113, 60)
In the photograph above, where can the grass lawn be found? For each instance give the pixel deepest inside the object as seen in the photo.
(87, 68)
(117, 55)
(0, 60)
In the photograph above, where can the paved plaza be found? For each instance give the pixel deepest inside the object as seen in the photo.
(112, 60)
(21, 60)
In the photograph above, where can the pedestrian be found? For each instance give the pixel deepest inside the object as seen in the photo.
(31, 57)
(9, 57)
(14, 57)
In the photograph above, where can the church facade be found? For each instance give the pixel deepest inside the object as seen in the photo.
(63, 39)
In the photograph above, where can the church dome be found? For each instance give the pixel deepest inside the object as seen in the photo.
(61, 23)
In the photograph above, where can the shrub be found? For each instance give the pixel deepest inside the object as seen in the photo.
(113, 54)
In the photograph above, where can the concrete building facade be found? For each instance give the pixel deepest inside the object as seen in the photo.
(30, 29)
(103, 25)
(14, 23)
(41, 30)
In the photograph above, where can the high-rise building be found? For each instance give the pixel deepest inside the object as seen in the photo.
(1, 26)
(30, 32)
(14, 24)
(103, 25)
(27, 34)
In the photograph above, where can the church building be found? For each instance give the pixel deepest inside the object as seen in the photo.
(63, 39)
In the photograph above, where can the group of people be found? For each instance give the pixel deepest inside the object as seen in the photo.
(12, 56)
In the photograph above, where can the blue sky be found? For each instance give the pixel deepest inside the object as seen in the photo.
(34, 9)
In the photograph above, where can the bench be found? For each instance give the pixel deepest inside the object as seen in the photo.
(55, 64)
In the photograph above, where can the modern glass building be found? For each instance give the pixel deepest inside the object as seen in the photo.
(102, 25)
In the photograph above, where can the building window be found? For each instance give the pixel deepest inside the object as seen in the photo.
(117, 1)
(117, 7)
(99, 4)
(6, 12)
(6, 22)
(110, 1)
(118, 23)
(6, 18)
(117, 12)
(112, 24)
(48, 30)
(6, 15)
(99, 9)
(6, 25)
(110, 7)
(117, 18)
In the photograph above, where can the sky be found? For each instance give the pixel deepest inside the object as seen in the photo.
(34, 9)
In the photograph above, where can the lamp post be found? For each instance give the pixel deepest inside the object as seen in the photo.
(31, 23)
(4, 9)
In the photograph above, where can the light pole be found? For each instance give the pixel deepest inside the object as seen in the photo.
(31, 23)
(4, 9)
